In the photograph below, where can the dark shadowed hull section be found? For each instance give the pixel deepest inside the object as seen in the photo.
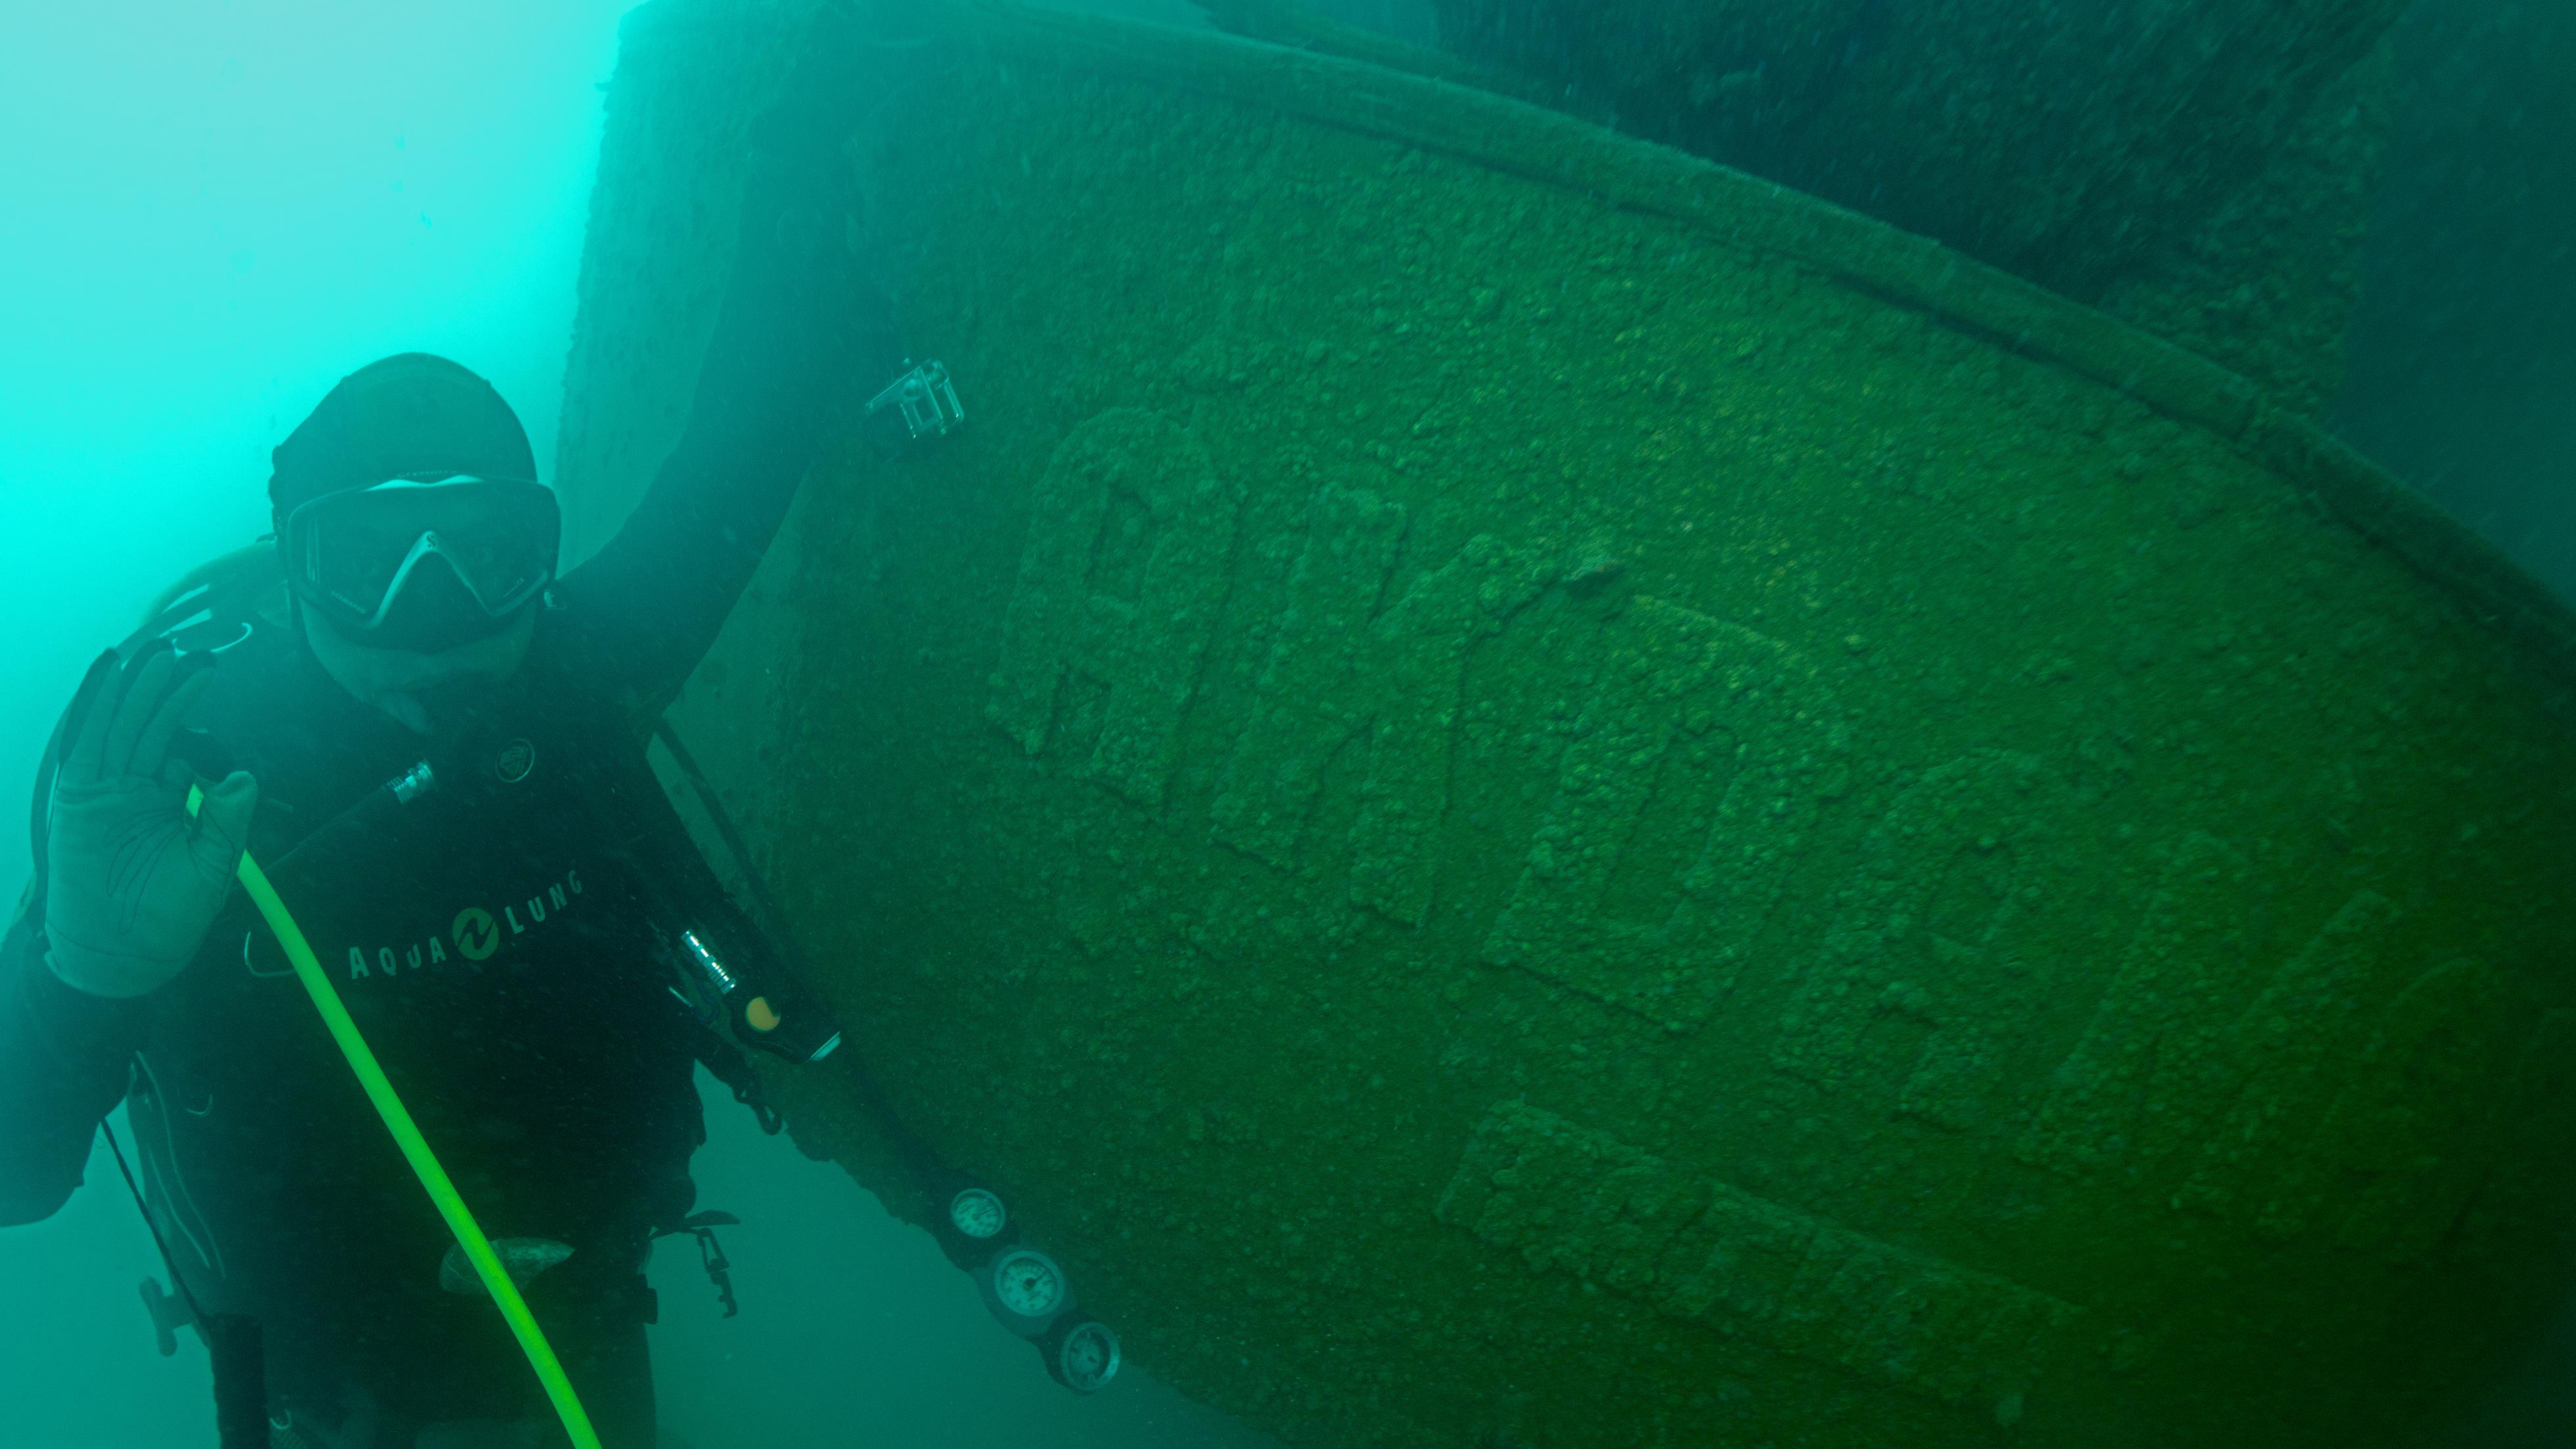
(2199, 167)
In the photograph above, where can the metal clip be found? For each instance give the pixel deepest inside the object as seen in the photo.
(169, 1315)
(926, 399)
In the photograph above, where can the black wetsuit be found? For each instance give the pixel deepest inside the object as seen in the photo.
(495, 939)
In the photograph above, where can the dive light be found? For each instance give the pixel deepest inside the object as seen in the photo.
(776, 1015)
(757, 986)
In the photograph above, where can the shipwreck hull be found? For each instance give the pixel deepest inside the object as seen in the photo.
(1522, 791)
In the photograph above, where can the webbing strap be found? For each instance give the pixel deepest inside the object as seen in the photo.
(415, 1149)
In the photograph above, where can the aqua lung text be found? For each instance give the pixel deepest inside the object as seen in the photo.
(474, 933)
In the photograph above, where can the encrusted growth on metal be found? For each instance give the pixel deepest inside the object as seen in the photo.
(1992, 915)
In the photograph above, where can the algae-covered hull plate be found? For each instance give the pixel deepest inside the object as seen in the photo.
(1513, 820)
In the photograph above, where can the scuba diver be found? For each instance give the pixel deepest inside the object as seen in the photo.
(436, 747)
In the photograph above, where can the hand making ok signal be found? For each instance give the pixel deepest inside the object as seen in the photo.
(133, 881)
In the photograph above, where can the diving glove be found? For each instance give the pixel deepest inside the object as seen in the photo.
(133, 882)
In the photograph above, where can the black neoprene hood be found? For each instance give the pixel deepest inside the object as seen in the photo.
(403, 416)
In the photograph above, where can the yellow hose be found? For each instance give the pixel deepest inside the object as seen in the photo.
(415, 1149)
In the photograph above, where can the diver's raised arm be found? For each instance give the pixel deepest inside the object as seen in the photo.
(805, 328)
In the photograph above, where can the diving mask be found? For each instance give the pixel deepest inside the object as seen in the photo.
(423, 563)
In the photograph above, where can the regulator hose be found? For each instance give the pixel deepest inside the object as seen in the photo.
(415, 1148)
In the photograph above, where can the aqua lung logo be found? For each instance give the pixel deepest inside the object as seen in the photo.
(473, 935)
(476, 934)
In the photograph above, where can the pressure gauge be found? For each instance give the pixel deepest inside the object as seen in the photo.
(977, 1214)
(1029, 1284)
(1025, 1290)
(1082, 1353)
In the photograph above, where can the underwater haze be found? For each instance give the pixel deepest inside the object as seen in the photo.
(1617, 724)
(211, 213)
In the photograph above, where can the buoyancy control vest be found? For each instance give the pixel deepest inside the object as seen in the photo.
(507, 928)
